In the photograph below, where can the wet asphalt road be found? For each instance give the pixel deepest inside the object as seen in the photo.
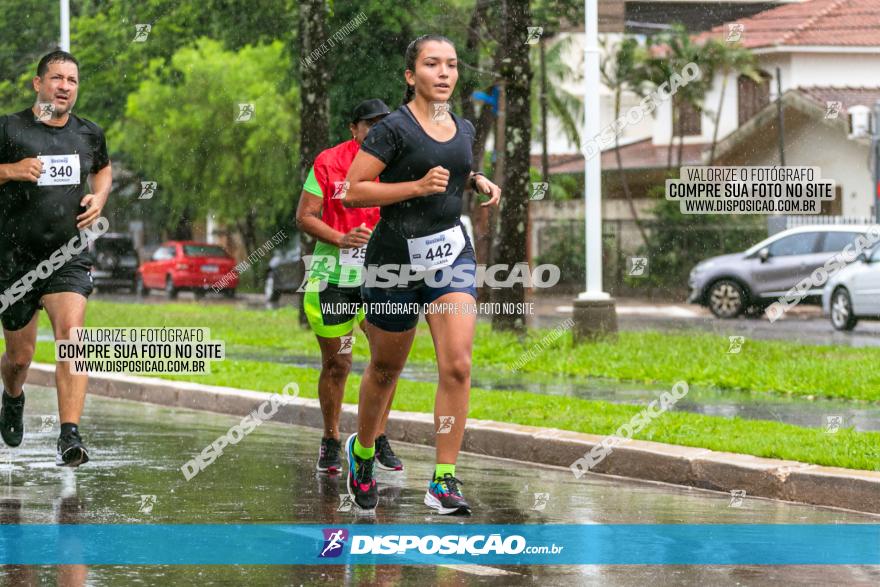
(269, 477)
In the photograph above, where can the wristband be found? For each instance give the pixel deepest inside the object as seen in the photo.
(474, 179)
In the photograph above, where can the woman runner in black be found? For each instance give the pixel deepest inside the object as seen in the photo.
(422, 154)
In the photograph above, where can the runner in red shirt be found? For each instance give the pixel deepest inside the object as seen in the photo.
(333, 297)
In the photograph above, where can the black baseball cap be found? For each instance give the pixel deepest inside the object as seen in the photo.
(369, 109)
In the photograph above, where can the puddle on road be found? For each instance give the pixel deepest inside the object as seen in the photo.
(796, 410)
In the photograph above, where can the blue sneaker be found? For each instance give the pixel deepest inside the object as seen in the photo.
(361, 485)
(444, 496)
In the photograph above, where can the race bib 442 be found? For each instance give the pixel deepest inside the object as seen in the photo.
(436, 250)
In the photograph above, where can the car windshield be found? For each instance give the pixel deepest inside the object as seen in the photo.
(203, 251)
(768, 241)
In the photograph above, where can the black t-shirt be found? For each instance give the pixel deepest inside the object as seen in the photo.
(399, 141)
(37, 220)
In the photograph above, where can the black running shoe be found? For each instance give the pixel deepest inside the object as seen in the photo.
(361, 485)
(444, 496)
(328, 458)
(71, 451)
(385, 457)
(11, 422)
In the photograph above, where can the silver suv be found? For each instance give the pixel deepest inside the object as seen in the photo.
(731, 284)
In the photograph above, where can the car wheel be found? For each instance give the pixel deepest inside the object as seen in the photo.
(199, 293)
(229, 293)
(170, 290)
(269, 292)
(139, 288)
(842, 315)
(726, 299)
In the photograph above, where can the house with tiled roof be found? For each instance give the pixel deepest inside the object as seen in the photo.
(824, 56)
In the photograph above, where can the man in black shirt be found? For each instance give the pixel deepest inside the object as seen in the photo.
(47, 156)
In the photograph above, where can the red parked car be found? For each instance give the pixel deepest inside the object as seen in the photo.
(188, 265)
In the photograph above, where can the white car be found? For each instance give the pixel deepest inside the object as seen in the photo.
(854, 292)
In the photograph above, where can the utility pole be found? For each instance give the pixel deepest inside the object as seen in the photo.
(594, 311)
(780, 122)
(875, 153)
(65, 26)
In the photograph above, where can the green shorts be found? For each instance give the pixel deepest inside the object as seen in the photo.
(332, 311)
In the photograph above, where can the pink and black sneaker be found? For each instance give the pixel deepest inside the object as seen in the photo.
(361, 485)
(328, 458)
(385, 457)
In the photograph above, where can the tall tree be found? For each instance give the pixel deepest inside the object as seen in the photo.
(314, 102)
(513, 217)
(623, 70)
(184, 124)
(678, 50)
(560, 72)
(728, 59)
(314, 82)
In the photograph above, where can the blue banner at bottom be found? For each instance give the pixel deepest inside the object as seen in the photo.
(372, 544)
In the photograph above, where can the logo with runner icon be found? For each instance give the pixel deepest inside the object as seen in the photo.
(638, 266)
(736, 498)
(534, 34)
(45, 111)
(446, 423)
(334, 541)
(832, 109)
(539, 190)
(48, 423)
(736, 344)
(735, 31)
(345, 344)
(345, 503)
(833, 424)
(340, 189)
(246, 112)
(148, 189)
(439, 111)
(141, 32)
(147, 503)
(541, 501)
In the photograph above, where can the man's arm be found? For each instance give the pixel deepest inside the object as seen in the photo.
(94, 202)
(24, 170)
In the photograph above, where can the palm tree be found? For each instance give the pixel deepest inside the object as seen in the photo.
(565, 106)
(672, 51)
(516, 73)
(314, 83)
(728, 59)
(623, 69)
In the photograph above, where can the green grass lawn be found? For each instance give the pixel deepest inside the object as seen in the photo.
(643, 357)
(846, 448)
(648, 357)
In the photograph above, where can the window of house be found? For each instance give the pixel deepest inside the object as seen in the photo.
(689, 119)
(752, 96)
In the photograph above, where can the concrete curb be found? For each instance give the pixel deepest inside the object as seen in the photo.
(653, 461)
